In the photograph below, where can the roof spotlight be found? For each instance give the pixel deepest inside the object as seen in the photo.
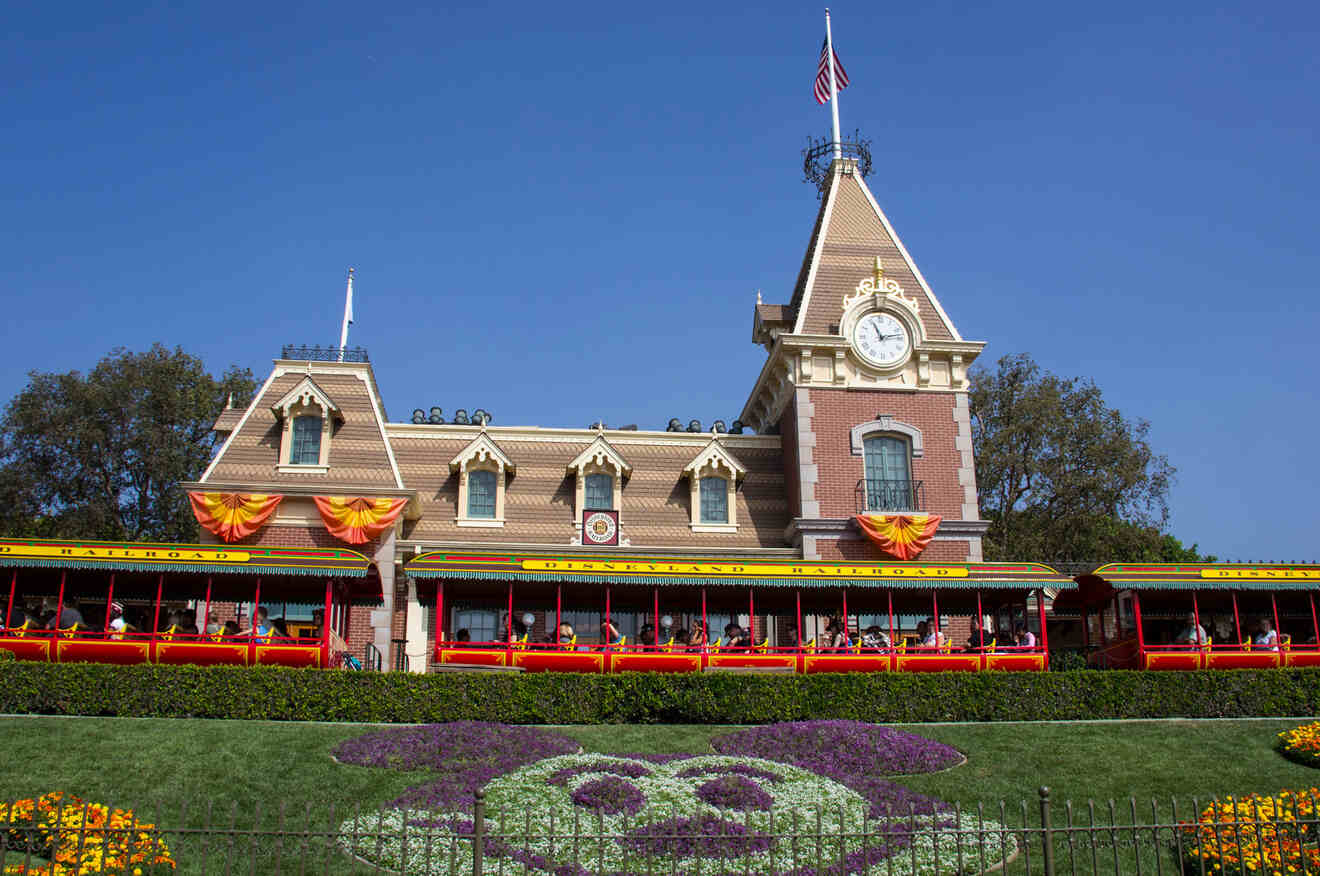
(694, 425)
(419, 415)
(436, 419)
(481, 416)
(461, 417)
(737, 427)
(718, 426)
(674, 426)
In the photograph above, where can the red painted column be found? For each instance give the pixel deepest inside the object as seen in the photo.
(1278, 633)
(109, 598)
(1136, 613)
(980, 628)
(609, 621)
(252, 621)
(439, 615)
(1315, 623)
(797, 595)
(845, 614)
(559, 609)
(893, 645)
(935, 599)
(751, 617)
(1196, 610)
(508, 638)
(655, 617)
(206, 613)
(1237, 621)
(1044, 634)
(59, 609)
(13, 586)
(705, 625)
(160, 591)
(325, 621)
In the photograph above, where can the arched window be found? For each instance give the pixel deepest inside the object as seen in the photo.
(888, 474)
(714, 500)
(306, 441)
(599, 493)
(481, 494)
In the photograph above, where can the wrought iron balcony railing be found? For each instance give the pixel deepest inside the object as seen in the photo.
(876, 494)
(306, 353)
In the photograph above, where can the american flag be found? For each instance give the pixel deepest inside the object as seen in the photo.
(823, 75)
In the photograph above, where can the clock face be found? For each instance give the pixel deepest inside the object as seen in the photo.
(881, 339)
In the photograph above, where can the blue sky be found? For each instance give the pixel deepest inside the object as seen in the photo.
(563, 215)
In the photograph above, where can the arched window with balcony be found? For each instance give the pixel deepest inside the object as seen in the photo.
(888, 481)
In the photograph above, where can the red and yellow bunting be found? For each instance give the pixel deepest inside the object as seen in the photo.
(233, 516)
(900, 535)
(358, 519)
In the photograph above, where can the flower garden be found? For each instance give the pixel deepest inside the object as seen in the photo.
(74, 837)
(799, 798)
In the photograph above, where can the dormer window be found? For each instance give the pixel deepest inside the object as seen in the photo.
(599, 472)
(306, 440)
(307, 417)
(713, 475)
(482, 469)
(481, 494)
(599, 493)
(714, 499)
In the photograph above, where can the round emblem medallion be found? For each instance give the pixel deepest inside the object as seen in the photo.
(600, 528)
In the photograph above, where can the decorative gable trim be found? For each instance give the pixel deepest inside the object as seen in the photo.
(713, 455)
(600, 454)
(482, 450)
(306, 394)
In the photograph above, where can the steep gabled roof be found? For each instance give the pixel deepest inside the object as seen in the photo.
(714, 452)
(599, 452)
(480, 449)
(850, 232)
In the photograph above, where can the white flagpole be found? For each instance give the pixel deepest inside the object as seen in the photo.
(834, 89)
(348, 316)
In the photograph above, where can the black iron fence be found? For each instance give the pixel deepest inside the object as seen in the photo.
(1251, 835)
(308, 353)
(878, 494)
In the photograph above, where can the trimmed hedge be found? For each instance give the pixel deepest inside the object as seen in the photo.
(272, 693)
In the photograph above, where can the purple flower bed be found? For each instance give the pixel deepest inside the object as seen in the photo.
(466, 754)
(609, 795)
(707, 836)
(735, 792)
(852, 753)
(737, 769)
(628, 770)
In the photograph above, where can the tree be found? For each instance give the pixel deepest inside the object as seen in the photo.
(102, 455)
(1062, 477)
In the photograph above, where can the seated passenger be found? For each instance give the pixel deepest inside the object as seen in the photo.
(978, 639)
(609, 633)
(462, 637)
(646, 636)
(213, 626)
(874, 639)
(566, 633)
(1192, 634)
(262, 629)
(117, 622)
(189, 622)
(1266, 637)
(928, 636)
(1023, 637)
(697, 639)
(733, 637)
(681, 639)
(69, 615)
(230, 629)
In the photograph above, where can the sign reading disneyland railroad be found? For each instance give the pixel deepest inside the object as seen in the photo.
(607, 567)
(157, 555)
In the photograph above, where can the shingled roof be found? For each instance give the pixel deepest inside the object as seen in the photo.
(850, 231)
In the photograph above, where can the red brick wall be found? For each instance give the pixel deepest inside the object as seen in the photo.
(860, 550)
(788, 434)
(838, 411)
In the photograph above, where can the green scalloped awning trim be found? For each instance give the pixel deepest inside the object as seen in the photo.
(729, 581)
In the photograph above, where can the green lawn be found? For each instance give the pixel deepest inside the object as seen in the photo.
(252, 772)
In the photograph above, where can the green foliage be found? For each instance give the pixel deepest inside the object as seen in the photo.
(274, 693)
(101, 455)
(1062, 477)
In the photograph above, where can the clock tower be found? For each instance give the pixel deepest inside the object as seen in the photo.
(866, 382)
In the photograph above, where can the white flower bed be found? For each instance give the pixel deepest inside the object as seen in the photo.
(538, 828)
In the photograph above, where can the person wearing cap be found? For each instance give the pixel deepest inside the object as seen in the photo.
(116, 624)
